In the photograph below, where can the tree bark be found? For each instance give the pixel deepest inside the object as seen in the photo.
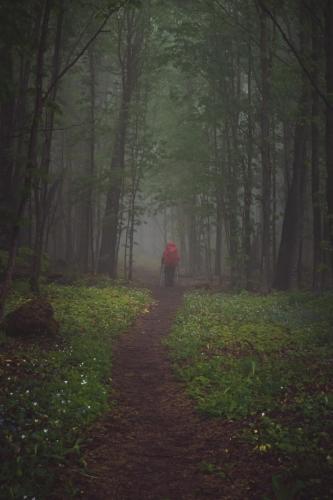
(248, 179)
(287, 269)
(43, 192)
(130, 74)
(7, 113)
(265, 151)
(329, 121)
(315, 156)
(218, 237)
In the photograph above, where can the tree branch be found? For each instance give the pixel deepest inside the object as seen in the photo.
(294, 51)
(84, 48)
(236, 23)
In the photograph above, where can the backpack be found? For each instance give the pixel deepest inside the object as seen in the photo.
(170, 255)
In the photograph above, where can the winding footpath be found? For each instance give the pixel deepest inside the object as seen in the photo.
(153, 445)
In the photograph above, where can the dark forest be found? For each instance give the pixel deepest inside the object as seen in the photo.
(125, 126)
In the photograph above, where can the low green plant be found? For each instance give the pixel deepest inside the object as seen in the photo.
(209, 468)
(23, 260)
(265, 360)
(48, 397)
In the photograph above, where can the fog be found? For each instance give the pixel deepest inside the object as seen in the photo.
(123, 127)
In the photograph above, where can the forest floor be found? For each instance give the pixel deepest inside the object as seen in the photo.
(153, 444)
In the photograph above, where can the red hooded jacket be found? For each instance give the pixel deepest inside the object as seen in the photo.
(170, 255)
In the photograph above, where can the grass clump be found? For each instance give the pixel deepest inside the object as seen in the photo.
(265, 361)
(49, 394)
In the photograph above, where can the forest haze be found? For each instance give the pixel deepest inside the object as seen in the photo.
(127, 123)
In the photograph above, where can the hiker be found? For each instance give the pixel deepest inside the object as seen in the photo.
(170, 260)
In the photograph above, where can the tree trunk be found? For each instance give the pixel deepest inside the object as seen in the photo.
(131, 239)
(287, 269)
(193, 243)
(287, 155)
(107, 261)
(86, 254)
(315, 139)
(329, 121)
(218, 237)
(7, 113)
(274, 196)
(92, 68)
(265, 151)
(108, 253)
(247, 179)
(43, 193)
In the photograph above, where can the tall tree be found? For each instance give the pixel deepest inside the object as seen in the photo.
(286, 274)
(329, 120)
(43, 193)
(315, 156)
(265, 61)
(130, 33)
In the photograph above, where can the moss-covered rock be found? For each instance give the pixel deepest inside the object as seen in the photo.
(34, 317)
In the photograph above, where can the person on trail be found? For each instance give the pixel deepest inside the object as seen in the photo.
(170, 260)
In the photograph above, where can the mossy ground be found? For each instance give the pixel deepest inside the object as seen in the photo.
(53, 389)
(265, 361)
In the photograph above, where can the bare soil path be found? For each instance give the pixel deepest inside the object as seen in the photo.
(153, 444)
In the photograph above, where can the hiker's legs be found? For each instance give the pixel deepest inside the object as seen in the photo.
(169, 275)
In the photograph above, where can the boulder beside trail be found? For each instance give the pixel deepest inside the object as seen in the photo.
(34, 317)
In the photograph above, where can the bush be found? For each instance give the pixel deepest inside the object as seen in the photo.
(23, 261)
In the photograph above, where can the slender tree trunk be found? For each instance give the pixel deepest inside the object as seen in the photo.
(126, 243)
(131, 239)
(218, 238)
(43, 195)
(247, 176)
(231, 197)
(315, 138)
(130, 74)
(274, 197)
(265, 151)
(287, 157)
(110, 231)
(329, 121)
(92, 69)
(137, 160)
(7, 113)
(181, 219)
(218, 204)
(86, 232)
(209, 248)
(20, 120)
(193, 244)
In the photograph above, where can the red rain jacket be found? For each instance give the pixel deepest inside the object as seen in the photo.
(171, 255)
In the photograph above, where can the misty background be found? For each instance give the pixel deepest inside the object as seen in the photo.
(125, 124)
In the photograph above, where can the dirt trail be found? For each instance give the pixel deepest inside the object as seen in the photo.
(154, 445)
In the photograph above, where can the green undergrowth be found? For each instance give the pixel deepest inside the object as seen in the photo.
(51, 392)
(265, 361)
